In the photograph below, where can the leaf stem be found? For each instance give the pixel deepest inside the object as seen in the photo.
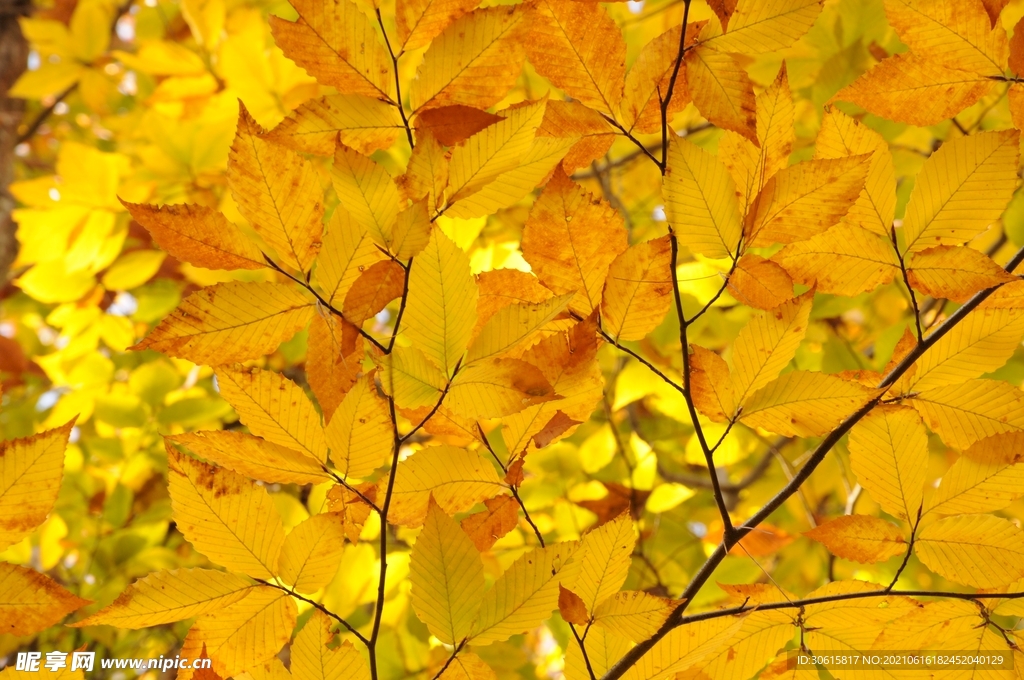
(906, 282)
(318, 606)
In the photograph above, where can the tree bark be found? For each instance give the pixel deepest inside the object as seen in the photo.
(13, 58)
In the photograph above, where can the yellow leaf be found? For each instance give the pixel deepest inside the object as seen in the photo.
(842, 136)
(231, 322)
(805, 199)
(648, 79)
(591, 133)
(198, 235)
(426, 175)
(634, 614)
(514, 324)
(844, 260)
(684, 647)
(410, 378)
(804, 403)
(278, 192)
(311, 552)
(851, 625)
(508, 188)
(312, 658)
(225, 516)
(474, 62)
(447, 578)
(774, 109)
(274, 408)
(910, 88)
(498, 387)
(767, 343)
(30, 474)
(245, 634)
(721, 90)
(760, 283)
(580, 49)
(334, 356)
(525, 595)
(962, 189)
(604, 648)
(412, 231)
(638, 290)
(364, 123)
(360, 434)
(954, 272)
(606, 554)
(338, 46)
(957, 35)
(700, 201)
(468, 666)
(974, 486)
(711, 386)
(982, 342)
(458, 480)
(495, 150)
(889, 455)
(761, 633)
(983, 551)
(30, 602)
(966, 413)
(420, 21)
(169, 596)
(347, 251)
(367, 192)
(861, 538)
(759, 26)
(570, 240)
(952, 623)
(441, 306)
(253, 457)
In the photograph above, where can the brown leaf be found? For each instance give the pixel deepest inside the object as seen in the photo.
(514, 476)
(334, 357)
(620, 498)
(862, 538)
(762, 541)
(572, 119)
(723, 9)
(484, 528)
(760, 283)
(554, 429)
(711, 385)
(453, 124)
(954, 272)
(373, 290)
(352, 509)
(571, 607)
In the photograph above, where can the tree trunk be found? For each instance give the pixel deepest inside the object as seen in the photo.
(13, 56)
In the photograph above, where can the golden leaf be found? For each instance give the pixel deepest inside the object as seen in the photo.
(721, 90)
(889, 455)
(457, 479)
(311, 552)
(700, 201)
(711, 385)
(844, 260)
(983, 551)
(31, 602)
(954, 272)
(861, 538)
(313, 658)
(360, 435)
(760, 283)
(638, 290)
(253, 457)
(30, 475)
(804, 403)
(767, 343)
(364, 123)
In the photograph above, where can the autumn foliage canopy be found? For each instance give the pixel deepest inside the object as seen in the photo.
(422, 339)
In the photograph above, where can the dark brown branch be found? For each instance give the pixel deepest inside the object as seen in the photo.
(910, 550)
(341, 480)
(639, 145)
(401, 307)
(455, 653)
(651, 367)
(398, 81)
(305, 284)
(316, 605)
(709, 455)
(512, 487)
(583, 651)
(667, 100)
(707, 569)
(906, 282)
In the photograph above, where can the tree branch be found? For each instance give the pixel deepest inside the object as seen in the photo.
(316, 605)
(667, 100)
(398, 82)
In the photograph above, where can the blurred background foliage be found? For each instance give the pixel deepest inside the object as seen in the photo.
(138, 101)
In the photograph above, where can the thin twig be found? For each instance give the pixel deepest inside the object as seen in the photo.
(318, 607)
(651, 367)
(512, 487)
(583, 651)
(667, 100)
(910, 550)
(906, 281)
(398, 82)
(305, 284)
(455, 653)
(401, 308)
(341, 480)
